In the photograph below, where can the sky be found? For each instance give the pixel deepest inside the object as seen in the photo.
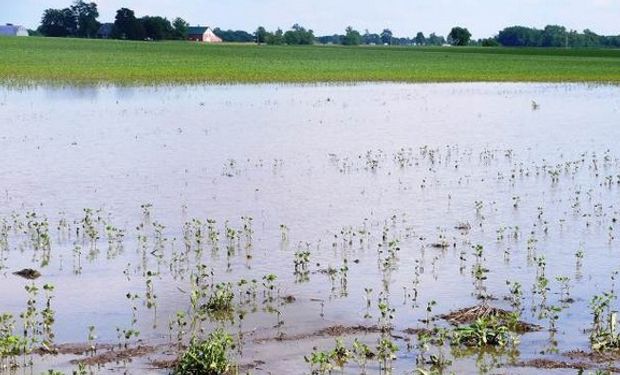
(483, 18)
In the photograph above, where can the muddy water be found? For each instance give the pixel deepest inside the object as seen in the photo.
(334, 164)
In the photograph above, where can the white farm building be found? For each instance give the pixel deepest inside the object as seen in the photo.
(13, 30)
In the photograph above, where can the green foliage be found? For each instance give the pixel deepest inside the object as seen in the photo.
(489, 42)
(157, 28)
(420, 39)
(604, 335)
(482, 332)
(180, 27)
(127, 26)
(554, 36)
(298, 35)
(239, 36)
(209, 357)
(386, 36)
(11, 346)
(58, 23)
(276, 38)
(352, 37)
(459, 36)
(86, 15)
(221, 299)
(322, 362)
(79, 61)
(261, 35)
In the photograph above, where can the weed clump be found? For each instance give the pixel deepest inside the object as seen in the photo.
(221, 299)
(208, 357)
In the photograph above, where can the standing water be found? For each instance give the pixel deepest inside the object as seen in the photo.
(390, 215)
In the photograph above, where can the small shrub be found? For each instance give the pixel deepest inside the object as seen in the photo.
(221, 299)
(482, 332)
(209, 357)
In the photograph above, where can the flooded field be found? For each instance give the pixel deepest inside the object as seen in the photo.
(372, 228)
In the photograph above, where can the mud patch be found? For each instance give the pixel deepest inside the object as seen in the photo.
(543, 363)
(333, 331)
(597, 357)
(471, 314)
(549, 364)
(115, 355)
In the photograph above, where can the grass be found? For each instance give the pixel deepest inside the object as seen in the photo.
(79, 61)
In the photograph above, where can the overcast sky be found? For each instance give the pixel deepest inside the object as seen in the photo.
(404, 17)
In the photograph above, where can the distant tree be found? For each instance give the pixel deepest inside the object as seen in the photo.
(58, 23)
(261, 35)
(352, 37)
(435, 40)
(386, 36)
(331, 39)
(86, 15)
(591, 39)
(276, 38)
(157, 28)
(419, 39)
(127, 26)
(459, 36)
(519, 36)
(554, 36)
(291, 38)
(369, 38)
(238, 36)
(298, 35)
(489, 42)
(180, 27)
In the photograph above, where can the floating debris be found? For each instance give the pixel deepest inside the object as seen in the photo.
(28, 273)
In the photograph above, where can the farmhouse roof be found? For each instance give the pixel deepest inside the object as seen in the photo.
(195, 30)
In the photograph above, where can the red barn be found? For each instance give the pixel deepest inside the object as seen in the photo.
(202, 34)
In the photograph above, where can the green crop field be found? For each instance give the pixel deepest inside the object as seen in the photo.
(81, 61)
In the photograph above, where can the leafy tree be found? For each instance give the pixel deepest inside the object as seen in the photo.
(489, 42)
(276, 38)
(352, 37)
(591, 39)
(369, 38)
(331, 39)
(420, 39)
(554, 36)
(459, 36)
(32, 32)
(261, 35)
(234, 35)
(298, 35)
(157, 28)
(86, 15)
(519, 36)
(435, 40)
(386, 36)
(180, 27)
(58, 23)
(127, 26)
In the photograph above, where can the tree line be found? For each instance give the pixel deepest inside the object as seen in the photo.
(554, 36)
(81, 20)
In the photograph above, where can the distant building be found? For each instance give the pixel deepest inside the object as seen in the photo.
(105, 31)
(202, 34)
(13, 30)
